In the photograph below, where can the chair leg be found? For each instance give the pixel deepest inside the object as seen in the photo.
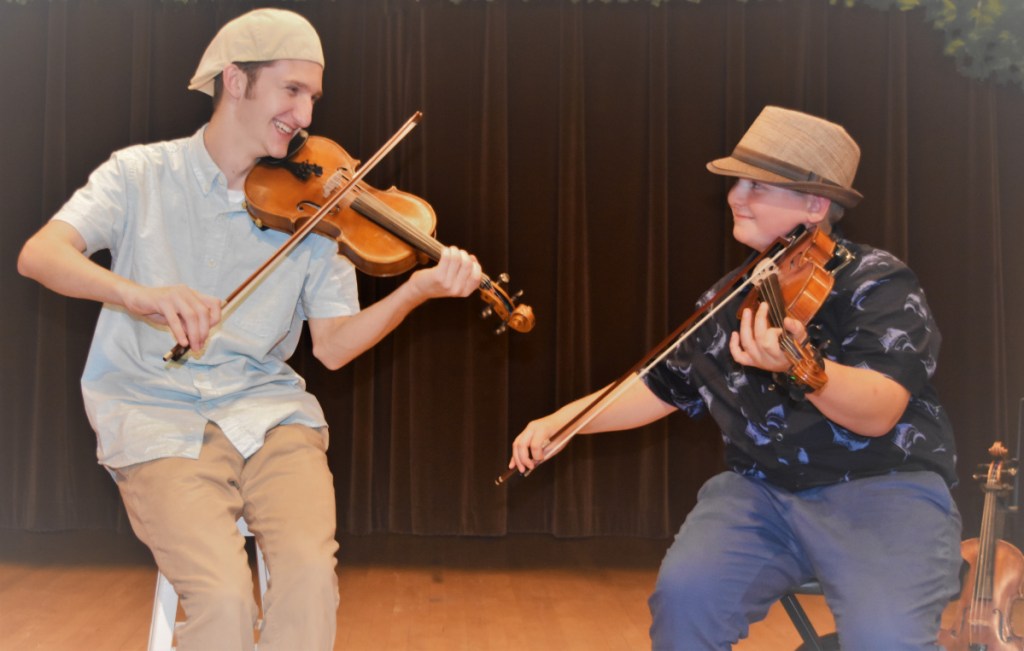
(802, 623)
(165, 611)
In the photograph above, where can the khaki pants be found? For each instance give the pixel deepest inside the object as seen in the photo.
(185, 510)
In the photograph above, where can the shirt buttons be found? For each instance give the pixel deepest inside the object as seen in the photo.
(211, 263)
(779, 436)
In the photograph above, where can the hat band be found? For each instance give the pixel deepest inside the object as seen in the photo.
(780, 167)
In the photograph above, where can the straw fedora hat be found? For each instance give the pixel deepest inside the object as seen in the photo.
(797, 151)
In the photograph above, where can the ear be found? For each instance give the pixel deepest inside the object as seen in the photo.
(234, 81)
(817, 208)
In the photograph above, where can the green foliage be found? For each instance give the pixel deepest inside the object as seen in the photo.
(984, 37)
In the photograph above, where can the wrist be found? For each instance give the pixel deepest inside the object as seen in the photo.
(805, 377)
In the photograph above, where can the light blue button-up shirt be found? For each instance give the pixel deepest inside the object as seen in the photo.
(166, 215)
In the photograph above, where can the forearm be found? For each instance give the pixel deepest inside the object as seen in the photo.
(863, 401)
(629, 405)
(336, 342)
(51, 259)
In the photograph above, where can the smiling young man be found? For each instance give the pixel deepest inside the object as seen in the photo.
(231, 431)
(846, 480)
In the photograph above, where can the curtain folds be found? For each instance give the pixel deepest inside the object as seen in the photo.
(563, 143)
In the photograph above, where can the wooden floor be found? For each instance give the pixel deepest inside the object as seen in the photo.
(93, 591)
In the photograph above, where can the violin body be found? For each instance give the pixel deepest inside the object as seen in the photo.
(279, 199)
(804, 281)
(383, 233)
(989, 615)
(994, 623)
(795, 286)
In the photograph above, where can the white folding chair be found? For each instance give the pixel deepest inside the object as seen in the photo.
(165, 601)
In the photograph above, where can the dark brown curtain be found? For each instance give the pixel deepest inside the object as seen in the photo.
(565, 144)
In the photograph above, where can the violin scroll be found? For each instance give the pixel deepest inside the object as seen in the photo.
(517, 317)
(992, 473)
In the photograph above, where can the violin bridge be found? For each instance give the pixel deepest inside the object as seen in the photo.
(763, 269)
(333, 182)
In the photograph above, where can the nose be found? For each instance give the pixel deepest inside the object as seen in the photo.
(738, 193)
(304, 112)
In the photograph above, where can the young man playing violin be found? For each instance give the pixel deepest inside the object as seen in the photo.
(231, 431)
(841, 474)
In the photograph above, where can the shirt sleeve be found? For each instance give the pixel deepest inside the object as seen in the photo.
(331, 287)
(670, 381)
(887, 324)
(99, 209)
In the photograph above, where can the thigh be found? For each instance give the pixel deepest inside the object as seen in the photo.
(887, 552)
(732, 559)
(289, 496)
(289, 506)
(737, 537)
(185, 510)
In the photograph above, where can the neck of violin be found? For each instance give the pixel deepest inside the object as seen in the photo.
(384, 216)
(986, 548)
(771, 292)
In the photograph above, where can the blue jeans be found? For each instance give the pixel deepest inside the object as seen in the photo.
(886, 550)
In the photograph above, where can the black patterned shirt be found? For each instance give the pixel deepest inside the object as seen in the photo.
(875, 317)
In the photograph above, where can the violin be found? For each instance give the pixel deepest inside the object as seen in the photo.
(382, 233)
(794, 276)
(989, 615)
(796, 286)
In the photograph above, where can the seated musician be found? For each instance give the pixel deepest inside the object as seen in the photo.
(841, 473)
(231, 431)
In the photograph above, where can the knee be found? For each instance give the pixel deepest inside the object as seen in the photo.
(305, 568)
(221, 603)
(680, 591)
(688, 611)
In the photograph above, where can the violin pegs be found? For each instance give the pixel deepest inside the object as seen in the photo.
(518, 295)
(501, 329)
(486, 312)
(503, 277)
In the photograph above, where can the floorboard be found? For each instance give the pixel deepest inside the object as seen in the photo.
(93, 591)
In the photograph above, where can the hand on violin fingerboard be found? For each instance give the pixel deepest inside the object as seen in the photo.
(757, 344)
(457, 273)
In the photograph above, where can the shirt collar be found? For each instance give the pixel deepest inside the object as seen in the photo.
(205, 170)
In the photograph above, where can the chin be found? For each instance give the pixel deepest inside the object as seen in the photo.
(277, 150)
(742, 235)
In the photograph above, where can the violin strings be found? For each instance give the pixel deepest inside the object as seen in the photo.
(772, 294)
(383, 215)
(985, 563)
(386, 217)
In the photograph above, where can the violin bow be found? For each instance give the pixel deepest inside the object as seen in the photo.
(613, 391)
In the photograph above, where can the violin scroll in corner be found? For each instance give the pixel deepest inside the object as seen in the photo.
(517, 317)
